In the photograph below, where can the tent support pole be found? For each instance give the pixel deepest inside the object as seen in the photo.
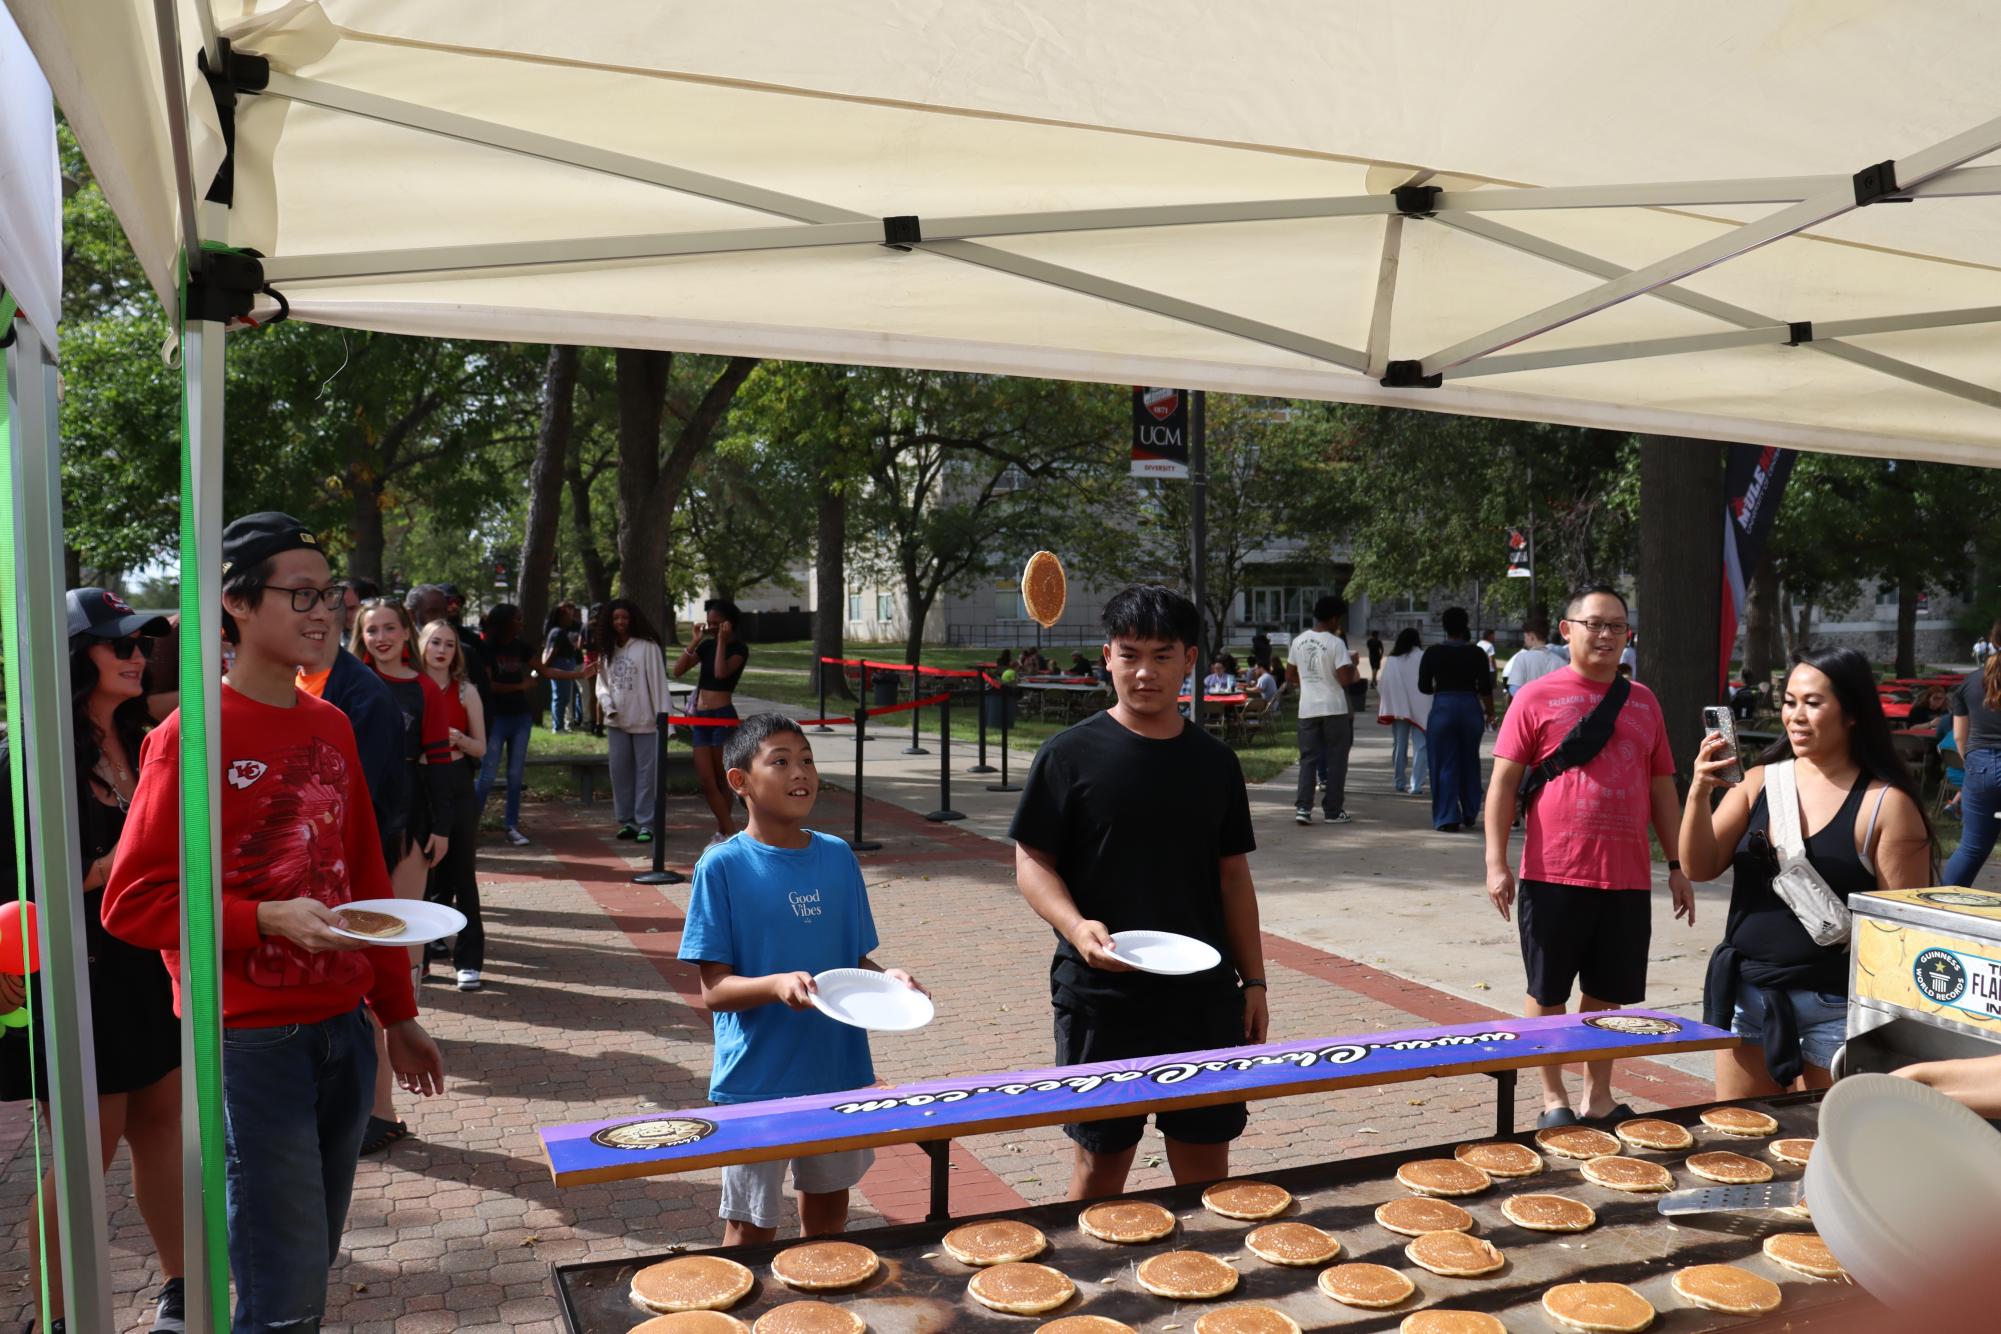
(1386, 292)
(44, 744)
(169, 30)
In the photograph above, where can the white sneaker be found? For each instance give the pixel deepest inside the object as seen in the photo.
(517, 838)
(469, 979)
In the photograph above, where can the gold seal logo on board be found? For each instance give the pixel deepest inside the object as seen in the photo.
(1641, 1025)
(666, 1132)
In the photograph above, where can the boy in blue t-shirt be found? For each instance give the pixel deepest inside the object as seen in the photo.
(771, 907)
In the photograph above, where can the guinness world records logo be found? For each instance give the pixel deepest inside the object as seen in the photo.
(666, 1132)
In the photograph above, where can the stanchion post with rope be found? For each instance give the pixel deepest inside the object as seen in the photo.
(660, 875)
(1003, 785)
(983, 767)
(858, 843)
(944, 811)
(916, 746)
(823, 665)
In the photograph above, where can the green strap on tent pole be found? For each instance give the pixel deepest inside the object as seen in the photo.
(16, 781)
(201, 988)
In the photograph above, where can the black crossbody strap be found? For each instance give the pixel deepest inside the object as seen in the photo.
(1582, 744)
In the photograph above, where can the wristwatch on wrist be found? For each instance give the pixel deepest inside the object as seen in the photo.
(1673, 866)
(1250, 982)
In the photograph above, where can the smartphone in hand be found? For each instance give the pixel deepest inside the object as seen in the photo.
(1719, 721)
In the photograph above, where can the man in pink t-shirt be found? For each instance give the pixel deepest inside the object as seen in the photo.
(1585, 916)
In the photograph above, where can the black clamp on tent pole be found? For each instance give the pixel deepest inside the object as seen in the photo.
(1409, 375)
(240, 72)
(225, 288)
(1802, 332)
(1878, 184)
(902, 232)
(1417, 201)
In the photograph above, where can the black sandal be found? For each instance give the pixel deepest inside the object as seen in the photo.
(381, 1134)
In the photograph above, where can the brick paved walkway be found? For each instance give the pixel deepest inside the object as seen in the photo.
(586, 1014)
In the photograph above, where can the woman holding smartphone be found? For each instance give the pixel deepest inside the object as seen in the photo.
(1863, 828)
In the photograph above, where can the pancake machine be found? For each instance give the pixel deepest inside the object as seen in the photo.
(1924, 979)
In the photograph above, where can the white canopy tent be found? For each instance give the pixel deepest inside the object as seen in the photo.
(1768, 221)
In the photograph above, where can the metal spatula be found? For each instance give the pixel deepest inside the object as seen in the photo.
(1745, 1210)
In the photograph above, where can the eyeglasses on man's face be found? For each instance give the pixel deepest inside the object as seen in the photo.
(305, 599)
(1600, 629)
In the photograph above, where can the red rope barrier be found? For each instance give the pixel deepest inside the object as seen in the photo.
(898, 667)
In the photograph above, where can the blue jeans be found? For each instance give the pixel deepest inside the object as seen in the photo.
(1820, 1016)
(1455, 732)
(566, 709)
(1978, 802)
(1407, 740)
(510, 730)
(295, 1102)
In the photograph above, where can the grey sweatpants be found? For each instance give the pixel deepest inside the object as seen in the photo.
(1327, 740)
(635, 775)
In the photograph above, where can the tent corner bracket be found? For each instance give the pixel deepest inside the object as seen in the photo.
(902, 232)
(225, 288)
(1878, 184)
(1409, 375)
(1801, 331)
(1417, 201)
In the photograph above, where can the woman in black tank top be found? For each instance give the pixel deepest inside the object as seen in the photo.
(1863, 828)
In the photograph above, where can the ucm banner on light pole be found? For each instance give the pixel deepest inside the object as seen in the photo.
(1160, 433)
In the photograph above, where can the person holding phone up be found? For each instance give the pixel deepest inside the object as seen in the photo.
(1858, 826)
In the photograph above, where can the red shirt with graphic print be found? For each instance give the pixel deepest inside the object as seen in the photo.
(291, 782)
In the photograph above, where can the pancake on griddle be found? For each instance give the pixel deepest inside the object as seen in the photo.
(364, 922)
(1628, 1174)
(1791, 1150)
(1415, 1216)
(1443, 1176)
(1246, 1320)
(1454, 1254)
(1186, 1276)
(809, 1318)
(1372, 1286)
(824, 1266)
(1804, 1252)
(1085, 1324)
(1128, 1222)
(1438, 1321)
(1732, 1169)
(1021, 1289)
(1577, 1142)
(1548, 1213)
(1296, 1244)
(1726, 1288)
(1252, 1201)
(1501, 1158)
(1739, 1121)
(1610, 1307)
(997, 1241)
(1650, 1132)
(691, 1322)
(691, 1283)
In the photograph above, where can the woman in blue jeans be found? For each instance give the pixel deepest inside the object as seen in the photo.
(1862, 828)
(1459, 677)
(1976, 730)
(512, 666)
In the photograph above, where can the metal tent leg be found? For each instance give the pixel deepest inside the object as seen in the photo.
(1504, 1102)
(939, 1151)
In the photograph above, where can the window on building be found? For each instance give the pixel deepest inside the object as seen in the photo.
(885, 607)
(1007, 605)
(854, 606)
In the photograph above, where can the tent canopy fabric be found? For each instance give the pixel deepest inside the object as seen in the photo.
(31, 199)
(1179, 193)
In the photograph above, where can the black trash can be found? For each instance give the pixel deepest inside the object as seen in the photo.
(885, 687)
(1001, 703)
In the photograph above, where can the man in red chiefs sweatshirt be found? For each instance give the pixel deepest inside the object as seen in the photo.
(298, 840)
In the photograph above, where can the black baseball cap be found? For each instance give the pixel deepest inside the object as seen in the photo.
(260, 536)
(105, 615)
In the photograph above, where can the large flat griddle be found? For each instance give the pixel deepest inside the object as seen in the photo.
(921, 1290)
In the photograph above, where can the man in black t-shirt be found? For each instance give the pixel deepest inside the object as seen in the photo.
(1137, 818)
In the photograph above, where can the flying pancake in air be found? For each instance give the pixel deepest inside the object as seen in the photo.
(1548, 1213)
(691, 1283)
(1739, 1121)
(1440, 1321)
(1021, 1289)
(1297, 1244)
(1252, 1201)
(1610, 1308)
(1044, 589)
(1128, 1222)
(1413, 1217)
(1246, 1320)
(1650, 1132)
(1791, 1150)
(996, 1241)
(1577, 1142)
(1500, 1158)
(1628, 1174)
(1726, 1288)
(1454, 1254)
(1732, 1169)
(691, 1322)
(1443, 1176)
(1372, 1286)
(809, 1318)
(1186, 1276)
(1085, 1324)
(1804, 1252)
(824, 1266)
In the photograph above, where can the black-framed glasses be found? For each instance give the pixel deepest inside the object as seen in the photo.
(305, 599)
(1596, 628)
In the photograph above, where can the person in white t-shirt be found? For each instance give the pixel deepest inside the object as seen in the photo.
(1535, 660)
(1322, 670)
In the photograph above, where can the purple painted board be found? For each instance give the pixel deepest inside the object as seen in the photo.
(662, 1144)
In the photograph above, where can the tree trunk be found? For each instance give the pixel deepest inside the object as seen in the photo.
(1907, 622)
(365, 560)
(545, 486)
(830, 586)
(1800, 641)
(1761, 623)
(597, 579)
(1680, 583)
(913, 636)
(642, 533)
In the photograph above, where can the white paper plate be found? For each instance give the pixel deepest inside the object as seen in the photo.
(425, 921)
(868, 999)
(1901, 1181)
(1164, 952)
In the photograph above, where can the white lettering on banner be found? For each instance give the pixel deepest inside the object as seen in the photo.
(1179, 1072)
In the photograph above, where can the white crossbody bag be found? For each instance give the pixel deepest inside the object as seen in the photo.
(1819, 909)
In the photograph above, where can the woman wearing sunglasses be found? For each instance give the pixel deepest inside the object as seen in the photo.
(1862, 827)
(137, 1039)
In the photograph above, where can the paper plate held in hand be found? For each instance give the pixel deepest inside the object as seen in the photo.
(1164, 952)
(868, 999)
(423, 921)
